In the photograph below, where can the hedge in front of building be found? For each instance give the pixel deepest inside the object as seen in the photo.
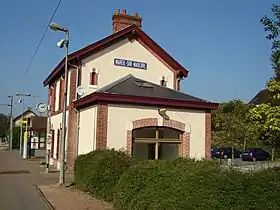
(188, 184)
(98, 172)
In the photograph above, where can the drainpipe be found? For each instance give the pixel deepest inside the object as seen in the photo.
(177, 86)
(78, 131)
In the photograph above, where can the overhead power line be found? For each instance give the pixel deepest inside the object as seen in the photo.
(41, 40)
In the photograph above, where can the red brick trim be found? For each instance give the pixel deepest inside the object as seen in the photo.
(72, 124)
(101, 126)
(174, 124)
(208, 135)
(186, 144)
(145, 122)
(129, 142)
(157, 56)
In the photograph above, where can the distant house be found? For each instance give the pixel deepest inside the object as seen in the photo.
(26, 115)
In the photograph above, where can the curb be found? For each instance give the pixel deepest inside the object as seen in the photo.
(41, 194)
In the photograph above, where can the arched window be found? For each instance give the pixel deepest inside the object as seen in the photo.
(152, 143)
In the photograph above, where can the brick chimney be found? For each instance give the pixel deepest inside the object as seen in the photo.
(123, 20)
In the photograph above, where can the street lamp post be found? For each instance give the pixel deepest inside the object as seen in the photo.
(60, 44)
(11, 122)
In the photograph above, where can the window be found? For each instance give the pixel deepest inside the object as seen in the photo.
(94, 76)
(61, 92)
(28, 121)
(163, 82)
(156, 143)
(52, 143)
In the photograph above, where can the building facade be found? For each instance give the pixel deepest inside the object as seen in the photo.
(129, 98)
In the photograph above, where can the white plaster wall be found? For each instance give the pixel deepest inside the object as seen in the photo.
(120, 120)
(56, 121)
(68, 87)
(108, 72)
(57, 90)
(87, 130)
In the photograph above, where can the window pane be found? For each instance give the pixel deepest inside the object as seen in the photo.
(144, 133)
(143, 151)
(168, 151)
(167, 133)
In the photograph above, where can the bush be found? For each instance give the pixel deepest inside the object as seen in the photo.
(98, 172)
(189, 184)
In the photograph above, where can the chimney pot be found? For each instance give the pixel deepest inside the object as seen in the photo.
(123, 20)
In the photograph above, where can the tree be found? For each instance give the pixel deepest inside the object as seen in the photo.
(231, 126)
(272, 27)
(4, 126)
(267, 116)
(16, 137)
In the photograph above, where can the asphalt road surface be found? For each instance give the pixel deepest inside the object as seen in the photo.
(17, 186)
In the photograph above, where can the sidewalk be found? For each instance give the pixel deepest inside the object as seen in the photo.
(62, 197)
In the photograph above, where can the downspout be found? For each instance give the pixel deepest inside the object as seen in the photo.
(78, 131)
(178, 88)
(94, 128)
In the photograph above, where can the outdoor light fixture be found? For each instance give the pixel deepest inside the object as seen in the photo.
(162, 113)
(61, 44)
(57, 27)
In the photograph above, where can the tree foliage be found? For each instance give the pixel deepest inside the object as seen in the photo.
(267, 116)
(4, 126)
(231, 126)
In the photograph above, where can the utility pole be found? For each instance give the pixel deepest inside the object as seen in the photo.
(48, 137)
(22, 95)
(11, 122)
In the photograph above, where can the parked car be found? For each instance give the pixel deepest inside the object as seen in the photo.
(225, 153)
(213, 151)
(253, 154)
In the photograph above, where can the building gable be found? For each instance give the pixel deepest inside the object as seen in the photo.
(131, 32)
(128, 56)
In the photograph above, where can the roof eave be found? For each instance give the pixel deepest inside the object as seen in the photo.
(96, 98)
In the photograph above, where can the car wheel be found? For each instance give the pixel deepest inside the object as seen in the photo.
(254, 159)
(225, 156)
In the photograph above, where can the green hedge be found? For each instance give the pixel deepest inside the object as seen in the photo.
(189, 184)
(174, 185)
(98, 172)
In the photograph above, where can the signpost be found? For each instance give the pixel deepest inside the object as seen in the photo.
(25, 140)
(42, 107)
(130, 63)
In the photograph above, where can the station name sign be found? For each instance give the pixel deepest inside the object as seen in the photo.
(129, 63)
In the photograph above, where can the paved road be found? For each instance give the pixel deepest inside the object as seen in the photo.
(17, 191)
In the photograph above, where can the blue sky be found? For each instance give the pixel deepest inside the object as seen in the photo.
(222, 43)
